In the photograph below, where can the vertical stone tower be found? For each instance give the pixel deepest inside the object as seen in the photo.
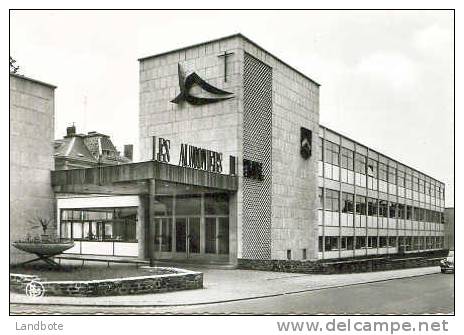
(276, 216)
(32, 115)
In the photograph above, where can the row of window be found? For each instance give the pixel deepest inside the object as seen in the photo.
(100, 224)
(349, 203)
(354, 161)
(214, 204)
(407, 243)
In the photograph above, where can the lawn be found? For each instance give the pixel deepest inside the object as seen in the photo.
(89, 271)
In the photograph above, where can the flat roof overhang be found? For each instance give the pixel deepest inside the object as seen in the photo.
(132, 179)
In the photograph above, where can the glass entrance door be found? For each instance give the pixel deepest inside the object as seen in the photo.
(217, 235)
(188, 235)
(181, 234)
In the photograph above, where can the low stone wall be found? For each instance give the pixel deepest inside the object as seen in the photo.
(180, 280)
(18, 282)
(281, 265)
(354, 265)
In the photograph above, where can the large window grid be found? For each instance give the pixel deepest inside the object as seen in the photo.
(409, 243)
(365, 207)
(99, 224)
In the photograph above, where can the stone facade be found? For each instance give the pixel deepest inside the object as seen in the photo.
(32, 106)
(385, 263)
(220, 127)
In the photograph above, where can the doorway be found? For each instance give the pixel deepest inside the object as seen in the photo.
(216, 235)
(188, 235)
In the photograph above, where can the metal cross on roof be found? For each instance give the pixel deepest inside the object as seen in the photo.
(225, 55)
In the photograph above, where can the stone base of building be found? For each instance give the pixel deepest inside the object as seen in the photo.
(348, 265)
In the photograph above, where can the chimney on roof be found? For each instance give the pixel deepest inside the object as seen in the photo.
(71, 131)
(129, 151)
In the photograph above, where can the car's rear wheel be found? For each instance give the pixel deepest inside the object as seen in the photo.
(443, 270)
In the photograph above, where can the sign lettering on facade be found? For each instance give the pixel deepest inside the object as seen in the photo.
(163, 154)
(199, 158)
(189, 156)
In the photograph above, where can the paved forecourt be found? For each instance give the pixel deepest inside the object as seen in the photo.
(232, 285)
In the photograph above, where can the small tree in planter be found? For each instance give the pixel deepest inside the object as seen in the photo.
(46, 246)
(43, 223)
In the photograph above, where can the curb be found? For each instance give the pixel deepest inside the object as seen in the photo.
(221, 301)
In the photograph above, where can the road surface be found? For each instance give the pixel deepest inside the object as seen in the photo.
(428, 294)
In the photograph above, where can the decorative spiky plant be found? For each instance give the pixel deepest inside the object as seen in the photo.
(41, 222)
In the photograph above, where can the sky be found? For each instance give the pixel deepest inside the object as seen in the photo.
(386, 76)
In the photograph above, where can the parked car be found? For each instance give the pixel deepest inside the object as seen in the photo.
(447, 264)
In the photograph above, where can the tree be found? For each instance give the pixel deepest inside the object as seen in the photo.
(13, 68)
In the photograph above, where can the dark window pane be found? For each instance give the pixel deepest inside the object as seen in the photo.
(360, 163)
(371, 207)
(347, 203)
(392, 175)
(166, 234)
(216, 204)
(223, 235)
(360, 242)
(188, 205)
(210, 235)
(194, 235)
(383, 208)
(360, 205)
(392, 213)
(163, 206)
(372, 168)
(181, 234)
(383, 172)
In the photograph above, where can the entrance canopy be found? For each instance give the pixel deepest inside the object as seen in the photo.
(132, 179)
(202, 236)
